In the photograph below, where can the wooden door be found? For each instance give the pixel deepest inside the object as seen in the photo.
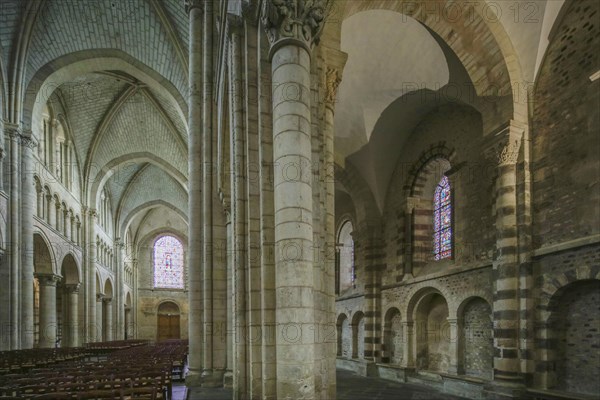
(168, 327)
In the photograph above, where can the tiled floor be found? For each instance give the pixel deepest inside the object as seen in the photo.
(349, 387)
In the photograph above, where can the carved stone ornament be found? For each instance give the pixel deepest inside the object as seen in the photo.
(300, 20)
(332, 82)
(509, 153)
(190, 4)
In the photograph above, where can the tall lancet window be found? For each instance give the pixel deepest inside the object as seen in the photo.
(168, 263)
(442, 220)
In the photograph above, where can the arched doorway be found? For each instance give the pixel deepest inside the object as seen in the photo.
(392, 337)
(168, 322)
(432, 331)
(574, 337)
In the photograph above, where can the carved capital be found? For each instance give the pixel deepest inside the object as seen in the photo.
(332, 82)
(99, 297)
(191, 4)
(48, 279)
(72, 288)
(92, 213)
(506, 144)
(299, 21)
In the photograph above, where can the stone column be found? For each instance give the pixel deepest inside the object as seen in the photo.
(508, 377)
(68, 222)
(194, 9)
(92, 327)
(28, 145)
(120, 290)
(14, 134)
(99, 318)
(292, 29)
(335, 61)
(40, 202)
(72, 291)
(108, 319)
(47, 309)
(59, 217)
(454, 345)
(2, 153)
(51, 217)
(408, 344)
(127, 319)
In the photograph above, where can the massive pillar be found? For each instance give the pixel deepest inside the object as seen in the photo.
(292, 35)
(72, 291)
(508, 379)
(47, 309)
(27, 210)
(195, 12)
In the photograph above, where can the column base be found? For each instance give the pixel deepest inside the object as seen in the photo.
(228, 379)
(504, 390)
(193, 379)
(212, 378)
(407, 277)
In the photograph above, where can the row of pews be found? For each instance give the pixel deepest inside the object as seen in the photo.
(110, 370)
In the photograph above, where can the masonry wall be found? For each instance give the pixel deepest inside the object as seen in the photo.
(150, 298)
(459, 130)
(565, 165)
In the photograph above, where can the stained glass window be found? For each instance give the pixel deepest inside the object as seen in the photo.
(442, 221)
(168, 263)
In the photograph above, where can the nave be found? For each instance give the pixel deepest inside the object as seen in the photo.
(115, 370)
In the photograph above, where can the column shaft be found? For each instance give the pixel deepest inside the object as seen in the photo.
(47, 310)
(27, 211)
(73, 315)
(196, 301)
(15, 237)
(99, 318)
(292, 157)
(108, 319)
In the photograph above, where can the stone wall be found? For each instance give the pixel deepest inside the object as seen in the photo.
(565, 164)
(577, 332)
(478, 354)
(456, 131)
(149, 298)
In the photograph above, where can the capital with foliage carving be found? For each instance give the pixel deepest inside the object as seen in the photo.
(294, 21)
(506, 144)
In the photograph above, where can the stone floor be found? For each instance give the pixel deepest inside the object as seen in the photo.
(350, 387)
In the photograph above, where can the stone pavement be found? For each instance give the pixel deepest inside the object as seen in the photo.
(349, 387)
